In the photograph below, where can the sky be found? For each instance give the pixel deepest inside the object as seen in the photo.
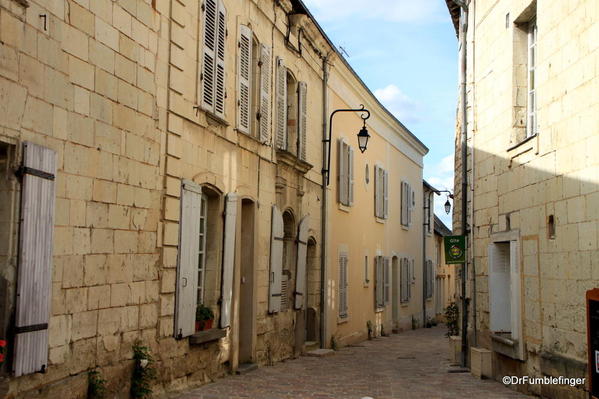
(406, 53)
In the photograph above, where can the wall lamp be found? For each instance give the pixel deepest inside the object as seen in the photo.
(363, 136)
(447, 205)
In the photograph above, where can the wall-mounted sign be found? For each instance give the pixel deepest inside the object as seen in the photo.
(593, 340)
(455, 249)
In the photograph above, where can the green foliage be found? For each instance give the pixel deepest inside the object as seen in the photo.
(96, 385)
(452, 316)
(144, 371)
(204, 313)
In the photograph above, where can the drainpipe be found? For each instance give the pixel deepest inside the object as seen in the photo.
(464, 157)
(324, 205)
(425, 224)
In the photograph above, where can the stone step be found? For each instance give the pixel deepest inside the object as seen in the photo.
(311, 345)
(321, 353)
(246, 368)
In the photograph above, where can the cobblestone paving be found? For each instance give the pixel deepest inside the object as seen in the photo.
(409, 365)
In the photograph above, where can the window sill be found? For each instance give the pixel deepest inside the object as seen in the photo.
(404, 227)
(503, 343)
(342, 320)
(290, 159)
(529, 143)
(250, 137)
(202, 337)
(380, 220)
(213, 119)
(344, 208)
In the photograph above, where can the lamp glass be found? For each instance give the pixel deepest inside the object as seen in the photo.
(447, 207)
(363, 137)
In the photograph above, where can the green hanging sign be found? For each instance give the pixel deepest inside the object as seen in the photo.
(455, 249)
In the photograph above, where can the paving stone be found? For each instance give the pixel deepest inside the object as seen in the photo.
(413, 364)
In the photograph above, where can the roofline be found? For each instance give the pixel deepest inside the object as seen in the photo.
(303, 7)
(427, 185)
(454, 12)
(439, 231)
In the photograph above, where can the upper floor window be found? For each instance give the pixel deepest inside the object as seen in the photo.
(408, 201)
(291, 109)
(381, 192)
(531, 110)
(253, 86)
(212, 57)
(345, 186)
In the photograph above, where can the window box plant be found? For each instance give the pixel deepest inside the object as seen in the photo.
(204, 318)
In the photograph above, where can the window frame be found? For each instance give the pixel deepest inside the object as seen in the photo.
(531, 79)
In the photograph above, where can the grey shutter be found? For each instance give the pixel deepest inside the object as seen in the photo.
(264, 93)
(343, 285)
(276, 260)
(208, 54)
(188, 262)
(405, 280)
(411, 200)
(387, 277)
(380, 284)
(302, 120)
(219, 83)
(342, 183)
(412, 275)
(34, 274)
(404, 204)
(377, 188)
(499, 288)
(385, 194)
(228, 259)
(350, 176)
(302, 252)
(244, 79)
(281, 105)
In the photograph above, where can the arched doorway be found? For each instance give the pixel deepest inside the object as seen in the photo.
(289, 253)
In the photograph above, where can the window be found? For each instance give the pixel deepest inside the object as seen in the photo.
(381, 192)
(531, 110)
(343, 286)
(383, 281)
(408, 202)
(291, 109)
(405, 280)
(345, 186)
(366, 279)
(505, 293)
(429, 272)
(202, 250)
(212, 72)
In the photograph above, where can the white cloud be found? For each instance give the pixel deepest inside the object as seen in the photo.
(389, 10)
(398, 103)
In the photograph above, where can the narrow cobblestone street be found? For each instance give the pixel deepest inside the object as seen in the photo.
(408, 365)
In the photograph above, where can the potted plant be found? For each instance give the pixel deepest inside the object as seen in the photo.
(204, 318)
(2, 346)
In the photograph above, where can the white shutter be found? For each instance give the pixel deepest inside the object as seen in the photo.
(385, 194)
(342, 183)
(387, 277)
(281, 105)
(515, 290)
(219, 84)
(228, 259)
(499, 287)
(410, 195)
(377, 187)
(244, 79)
(276, 260)
(208, 54)
(350, 176)
(34, 274)
(264, 93)
(302, 252)
(302, 120)
(188, 262)
(404, 204)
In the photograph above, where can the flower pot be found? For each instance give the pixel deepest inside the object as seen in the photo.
(203, 325)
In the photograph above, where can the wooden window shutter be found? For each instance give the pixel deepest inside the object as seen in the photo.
(302, 253)
(220, 85)
(265, 85)
(303, 127)
(405, 279)
(385, 194)
(276, 260)
(208, 54)
(244, 79)
(499, 288)
(387, 277)
(228, 259)
(350, 176)
(281, 104)
(377, 185)
(380, 283)
(34, 275)
(409, 201)
(342, 183)
(188, 261)
(404, 204)
(343, 285)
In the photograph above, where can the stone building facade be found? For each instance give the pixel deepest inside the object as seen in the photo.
(162, 163)
(532, 124)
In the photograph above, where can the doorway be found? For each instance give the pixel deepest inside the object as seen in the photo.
(247, 282)
(313, 290)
